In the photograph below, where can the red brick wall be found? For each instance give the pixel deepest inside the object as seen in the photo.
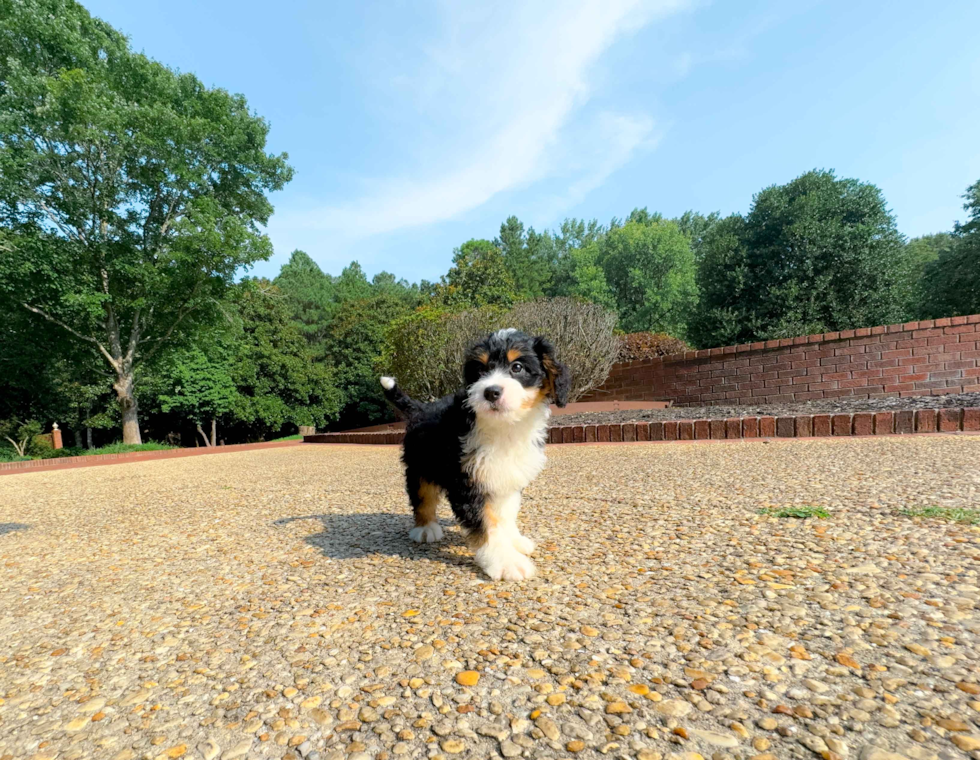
(933, 357)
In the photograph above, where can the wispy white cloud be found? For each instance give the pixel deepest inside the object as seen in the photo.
(603, 146)
(498, 89)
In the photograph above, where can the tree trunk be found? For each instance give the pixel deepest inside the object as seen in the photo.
(204, 436)
(214, 432)
(88, 438)
(127, 405)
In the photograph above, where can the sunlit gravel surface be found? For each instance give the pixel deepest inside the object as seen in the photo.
(269, 604)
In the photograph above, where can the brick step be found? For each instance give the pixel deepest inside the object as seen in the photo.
(946, 420)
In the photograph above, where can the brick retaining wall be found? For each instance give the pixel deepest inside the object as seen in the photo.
(931, 357)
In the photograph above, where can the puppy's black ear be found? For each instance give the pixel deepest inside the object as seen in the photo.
(557, 378)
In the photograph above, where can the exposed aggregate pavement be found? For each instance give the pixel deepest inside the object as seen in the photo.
(269, 604)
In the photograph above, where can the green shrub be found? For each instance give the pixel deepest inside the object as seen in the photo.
(52, 453)
(41, 446)
(424, 350)
(126, 448)
(582, 332)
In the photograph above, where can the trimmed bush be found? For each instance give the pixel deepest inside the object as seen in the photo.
(645, 345)
(582, 333)
(424, 350)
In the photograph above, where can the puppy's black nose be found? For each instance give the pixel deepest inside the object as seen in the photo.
(493, 393)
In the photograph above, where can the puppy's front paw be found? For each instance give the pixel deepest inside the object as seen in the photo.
(426, 534)
(519, 568)
(524, 545)
(504, 562)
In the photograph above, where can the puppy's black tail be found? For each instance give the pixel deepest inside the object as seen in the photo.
(398, 398)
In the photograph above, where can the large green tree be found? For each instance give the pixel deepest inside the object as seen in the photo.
(650, 270)
(814, 255)
(131, 194)
(585, 278)
(253, 376)
(344, 319)
(478, 277)
(527, 256)
(923, 252)
(278, 380)
(309, 293)
(354, 344)
(562, 249)
(951, 285)
(197, 385)
(47, 377)
(696, 226)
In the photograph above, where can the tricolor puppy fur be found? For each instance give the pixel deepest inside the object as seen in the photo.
(482, 445)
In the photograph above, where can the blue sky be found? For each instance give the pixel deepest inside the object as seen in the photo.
(414, 126)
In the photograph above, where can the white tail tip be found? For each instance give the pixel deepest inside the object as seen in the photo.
(387, 383)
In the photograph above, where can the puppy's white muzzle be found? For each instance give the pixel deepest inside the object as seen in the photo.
(500, 396)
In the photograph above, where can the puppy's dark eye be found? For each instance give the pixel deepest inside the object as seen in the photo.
(516, 368)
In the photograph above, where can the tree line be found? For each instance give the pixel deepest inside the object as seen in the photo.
(133, 198)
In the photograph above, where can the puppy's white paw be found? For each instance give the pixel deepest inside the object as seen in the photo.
(524, 545)
(503, 562)
(426, 534)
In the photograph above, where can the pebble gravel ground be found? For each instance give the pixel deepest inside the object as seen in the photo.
(269, 604)
(841, 405)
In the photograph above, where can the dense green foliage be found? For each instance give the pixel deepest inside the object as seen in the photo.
(479, 276)
(130, 194)
(814, 255)
(133, 200)
(951, 284)
(650, 270)
(253, 379)
(344, 320)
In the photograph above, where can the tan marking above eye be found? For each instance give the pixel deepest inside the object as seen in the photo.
(513, 354)
(483, 357)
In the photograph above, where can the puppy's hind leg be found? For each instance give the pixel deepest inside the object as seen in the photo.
(425, 498)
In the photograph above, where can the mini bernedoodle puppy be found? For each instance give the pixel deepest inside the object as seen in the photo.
(482, 445)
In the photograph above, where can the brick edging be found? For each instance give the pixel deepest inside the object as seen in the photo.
(383, 438)
(68, 463)
(944, 420)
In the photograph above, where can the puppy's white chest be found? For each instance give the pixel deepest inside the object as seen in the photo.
(504, 459)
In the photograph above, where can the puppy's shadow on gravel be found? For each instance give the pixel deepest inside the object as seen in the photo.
(348, 536)
(6, 528)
